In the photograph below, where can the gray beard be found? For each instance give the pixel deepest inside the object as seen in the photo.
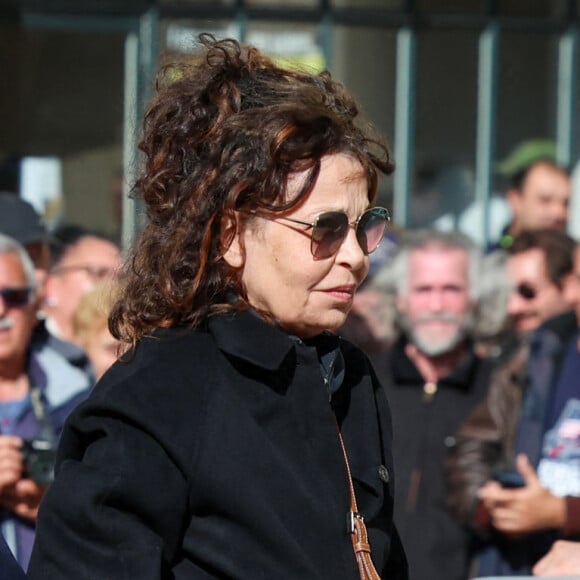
(438, 347)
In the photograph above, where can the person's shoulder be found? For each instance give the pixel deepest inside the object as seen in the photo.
(166, 380)
(172, 355)
(563, 325)
(63, 382)
(175, 343)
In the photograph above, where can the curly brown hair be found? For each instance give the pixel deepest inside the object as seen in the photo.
(223, 134)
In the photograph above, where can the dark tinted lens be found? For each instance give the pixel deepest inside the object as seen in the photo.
(371, 228)
(526, 291)
(328, 233)
(15, 297)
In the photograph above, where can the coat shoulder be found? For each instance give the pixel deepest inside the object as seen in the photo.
(164, 376)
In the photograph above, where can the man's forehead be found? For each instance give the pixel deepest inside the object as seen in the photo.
(11, 267)
(90, 248)
(546, 179)
(439, 253)
(438, 263)
(532, 261)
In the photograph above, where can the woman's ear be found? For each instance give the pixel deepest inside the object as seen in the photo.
(232, 247)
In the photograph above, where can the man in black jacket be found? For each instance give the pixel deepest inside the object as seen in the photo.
(433, 378)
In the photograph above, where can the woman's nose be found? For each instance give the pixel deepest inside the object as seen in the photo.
(350, 251)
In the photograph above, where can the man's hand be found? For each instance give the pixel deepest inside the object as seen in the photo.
(23, 498)
(10, 461)
(563, 559)
(20, 496)
(526, 509)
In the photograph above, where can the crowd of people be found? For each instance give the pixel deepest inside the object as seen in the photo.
(238, 399)
(45, 371)
(478, 351)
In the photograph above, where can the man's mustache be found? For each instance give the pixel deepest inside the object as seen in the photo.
(443, 317)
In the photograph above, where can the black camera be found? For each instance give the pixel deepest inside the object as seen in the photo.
(39, 457)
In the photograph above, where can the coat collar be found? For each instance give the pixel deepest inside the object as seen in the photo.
(247, 336)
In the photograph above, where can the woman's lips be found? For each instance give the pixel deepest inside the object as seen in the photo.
(342, 293)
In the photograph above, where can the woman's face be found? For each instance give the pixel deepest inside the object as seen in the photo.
(102, 349)
(307, 295)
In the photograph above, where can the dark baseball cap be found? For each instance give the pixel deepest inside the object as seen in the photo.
(19, 220)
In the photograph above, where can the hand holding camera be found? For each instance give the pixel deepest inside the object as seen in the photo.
(38, 457)
(19, 492)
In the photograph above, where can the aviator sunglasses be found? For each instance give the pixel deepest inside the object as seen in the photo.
(16, 297)
(330, 229)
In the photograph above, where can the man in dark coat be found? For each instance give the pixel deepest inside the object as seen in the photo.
(433, 378)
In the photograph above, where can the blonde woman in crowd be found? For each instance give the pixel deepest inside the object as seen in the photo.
(91, 328)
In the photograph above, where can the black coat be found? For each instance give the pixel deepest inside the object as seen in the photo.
(424, 428)
(214, 454)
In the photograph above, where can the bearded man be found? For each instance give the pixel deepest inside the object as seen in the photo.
(433, 378)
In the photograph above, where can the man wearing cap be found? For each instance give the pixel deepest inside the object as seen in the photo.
(539, 191)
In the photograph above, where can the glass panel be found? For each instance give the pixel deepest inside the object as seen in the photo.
(529, 86)
(294, 44)
(364, 60)
(527, 97)
(181, 35)
(445, 129)
(62, 123)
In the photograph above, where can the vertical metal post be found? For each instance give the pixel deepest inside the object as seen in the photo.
(326, 28)
(241, 20)
(141, 49)
(567, 96)
(130, 123)
(486, 121)
(404, 123)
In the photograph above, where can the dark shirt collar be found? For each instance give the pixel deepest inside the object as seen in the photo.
(405, 372)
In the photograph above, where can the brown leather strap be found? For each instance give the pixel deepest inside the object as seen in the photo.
(357, 528)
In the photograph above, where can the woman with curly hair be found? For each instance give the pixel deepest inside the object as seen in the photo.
(238, 435)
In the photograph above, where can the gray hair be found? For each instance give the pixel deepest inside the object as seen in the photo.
(394, 277)
(488, 286)
(9, 245)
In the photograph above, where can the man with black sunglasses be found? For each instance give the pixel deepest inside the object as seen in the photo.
(37, 391)
(516, 457)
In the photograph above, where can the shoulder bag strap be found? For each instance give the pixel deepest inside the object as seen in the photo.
(357, 528)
